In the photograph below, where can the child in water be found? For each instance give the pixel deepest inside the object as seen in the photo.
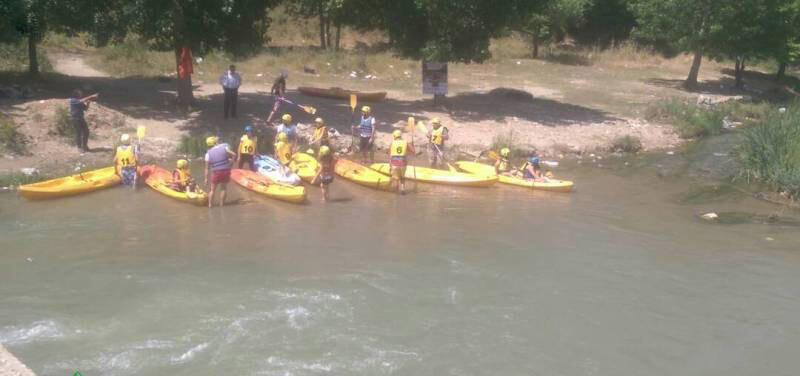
(325, 175)
(182, 178)
(503, 164)
(125, 161)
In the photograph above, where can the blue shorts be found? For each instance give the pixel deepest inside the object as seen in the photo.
(128, 175)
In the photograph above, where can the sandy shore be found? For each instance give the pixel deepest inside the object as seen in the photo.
(11, 366)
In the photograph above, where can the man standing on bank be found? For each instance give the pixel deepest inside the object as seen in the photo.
(77, 107)
(230, 81)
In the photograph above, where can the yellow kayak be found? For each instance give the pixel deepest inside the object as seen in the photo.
(263, 185)
(553, 185)
(430, 175)
(304, 166)
(159, 179)
(361, 174)
(71, 185)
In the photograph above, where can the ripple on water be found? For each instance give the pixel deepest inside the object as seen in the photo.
(36, 331)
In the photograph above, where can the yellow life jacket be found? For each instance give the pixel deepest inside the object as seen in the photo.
(503, 166)
(398, 148)
(283, 151)
(321, 134)
(437, 136)
(247, 146)
(182, 175)
(125, 157)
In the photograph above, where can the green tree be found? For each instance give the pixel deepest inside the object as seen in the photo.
(548, 21)
(606, 22)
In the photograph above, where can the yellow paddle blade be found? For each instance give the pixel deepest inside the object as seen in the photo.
(140, 132)
(410, 124)
(492, 154)
(353, 101)
(309, 109)
(422, 128)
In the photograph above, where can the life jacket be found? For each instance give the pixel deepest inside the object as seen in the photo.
(283, 151)
(503, 166)
(247, 145)
(398, 149)
(366, 126)
(125, 157)
(321, 134)
(437, 136)
(290, 130)
(218, 158)
(181, 176)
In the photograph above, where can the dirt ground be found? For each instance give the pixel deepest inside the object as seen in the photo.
(559, 110)
(11, 366)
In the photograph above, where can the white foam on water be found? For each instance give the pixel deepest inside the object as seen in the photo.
(38, 330)
(189, 355)
(299, 318)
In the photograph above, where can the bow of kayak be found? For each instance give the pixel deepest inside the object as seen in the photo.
(271, 168)
(361, 174)
(305, 166)
(430, 175)
(71, 185)
(552, 185)
(263, 185)
(159, 179)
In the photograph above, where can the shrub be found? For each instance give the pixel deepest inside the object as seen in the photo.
(61, 124)
(627, 144)
(10, 137)
(506, 140)
(770, 152)
(691, 120)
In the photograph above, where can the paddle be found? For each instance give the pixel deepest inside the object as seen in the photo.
(413, 168)
(353, 104)
(307, 109)
(140, 133)
(422, 128)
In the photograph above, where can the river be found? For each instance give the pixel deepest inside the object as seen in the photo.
(617, 278)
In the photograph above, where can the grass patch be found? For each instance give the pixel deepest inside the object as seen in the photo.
(627, 144)
(14, 57)
(770, 152)
(132, 58)
(61, 125)
(17, 178)
(690, 120)
(506, 140)
(11, 139)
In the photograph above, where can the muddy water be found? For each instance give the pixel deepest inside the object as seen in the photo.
(618, 278)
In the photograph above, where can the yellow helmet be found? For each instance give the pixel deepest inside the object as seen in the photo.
(366, 109)
(283, 137)
(324, 150)
(505, 152)
(397, 134)
(310, 151)
(286, 118)
(125, 139)
(436, 121)
(211, 141)
(319, 121)
(182, 163)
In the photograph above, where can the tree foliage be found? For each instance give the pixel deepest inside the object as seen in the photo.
(548, 22)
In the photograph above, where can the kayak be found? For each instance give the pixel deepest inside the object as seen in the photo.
(339, 93)
(305, 166)
(159, 179)
(430, 175)
(361, 174)
(263, 185)
(71, 185)
(487, 170)
(271, 168)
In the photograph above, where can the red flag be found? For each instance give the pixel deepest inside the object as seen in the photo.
(185, 65)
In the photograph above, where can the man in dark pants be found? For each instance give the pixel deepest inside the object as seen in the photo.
(77, 108)
(230, 81)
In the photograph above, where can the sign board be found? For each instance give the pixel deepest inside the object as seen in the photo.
(434, 78)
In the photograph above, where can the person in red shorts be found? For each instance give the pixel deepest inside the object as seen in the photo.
(219, 161)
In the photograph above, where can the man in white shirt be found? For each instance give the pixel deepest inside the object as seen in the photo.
(230, 81)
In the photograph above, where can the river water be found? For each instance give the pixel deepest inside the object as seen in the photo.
(617, 278)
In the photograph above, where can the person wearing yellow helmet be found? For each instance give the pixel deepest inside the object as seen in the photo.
(126, 161)
(288, 127)
(219, 161)
(437, 136)
(366, 132)
(248, 145)
(503, 166)
(326, 171)
(321, 135)
(283, 150)
(182, 177)
(398, 159)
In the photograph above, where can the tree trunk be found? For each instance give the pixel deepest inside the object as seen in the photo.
(781, 71)
(691, 81)
(184, 85)
(33, 60)
(328, 31)
(535, 45)
(338, 35)
(322, 38)
(739, 72)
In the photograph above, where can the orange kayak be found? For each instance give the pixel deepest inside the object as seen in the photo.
(263, 185)
(339, 93)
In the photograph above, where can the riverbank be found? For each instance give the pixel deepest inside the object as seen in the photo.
(11, 366)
